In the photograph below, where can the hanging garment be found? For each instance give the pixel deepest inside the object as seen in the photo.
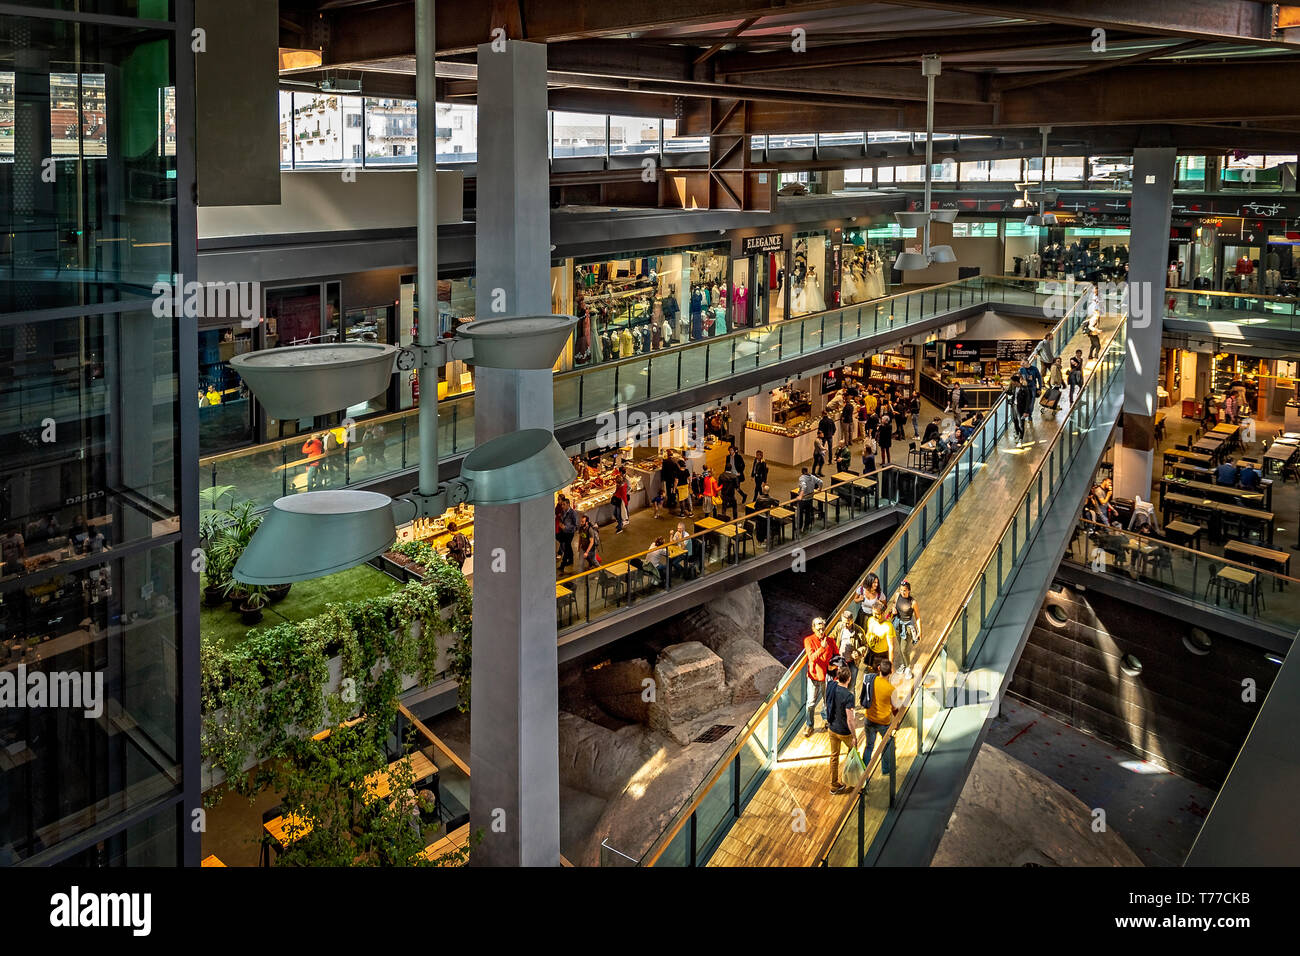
(740, 299)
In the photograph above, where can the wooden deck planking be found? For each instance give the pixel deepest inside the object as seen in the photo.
(766, 834)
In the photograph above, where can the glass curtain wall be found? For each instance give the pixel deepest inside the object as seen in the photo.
(91, 574)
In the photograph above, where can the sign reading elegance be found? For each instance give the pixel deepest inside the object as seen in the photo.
(764, 243)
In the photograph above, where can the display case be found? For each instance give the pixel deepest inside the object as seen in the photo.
(783, 444)
(893, 367)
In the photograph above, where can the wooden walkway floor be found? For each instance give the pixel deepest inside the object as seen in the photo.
(793, 812)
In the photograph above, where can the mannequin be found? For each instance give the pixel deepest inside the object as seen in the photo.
(697, 314)
(813, 297)
(740, 302)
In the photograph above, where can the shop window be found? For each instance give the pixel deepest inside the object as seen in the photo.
(975, 230)
(633, 135)
(809, 267)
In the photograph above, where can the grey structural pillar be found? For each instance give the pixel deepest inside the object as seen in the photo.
(514, 717)
(1148, 268)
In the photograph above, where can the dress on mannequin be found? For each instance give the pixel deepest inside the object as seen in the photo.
(740, 299)
(813, 297)
(849, 288)
(798, 305)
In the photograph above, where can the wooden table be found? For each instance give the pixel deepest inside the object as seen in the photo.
(1265, 518)
(781, 516)
(856, 485)
(1191, 457)
(1260, 556)
(1193, 472)
(1190, 534)
(1228, 493)
(456, 840)
(1280, 453)
(824, 498)
(211, 860)
(1209, 447)
(1225, 429)
(380, 785)
(707, 524)
(564, 600)
(1246, 583)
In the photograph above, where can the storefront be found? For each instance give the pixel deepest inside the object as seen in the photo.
(438, 531)
(758, 276)
(648, 301)
(782, 423)
(864, 266)
(812, 272)
(982, 367)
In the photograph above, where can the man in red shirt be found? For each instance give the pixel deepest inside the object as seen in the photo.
(820, 649)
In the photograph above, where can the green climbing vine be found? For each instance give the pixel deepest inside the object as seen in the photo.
(265, 694)
(264, 698)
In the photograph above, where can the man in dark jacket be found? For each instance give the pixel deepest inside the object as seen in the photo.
(759, 472)
(1022, 405)
(827, 428)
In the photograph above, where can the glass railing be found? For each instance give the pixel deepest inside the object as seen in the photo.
(714, 545)
(1265, 312)
(389, 445)
(1247, 588)
(698, 827)
(923, 710)
(1249, 310)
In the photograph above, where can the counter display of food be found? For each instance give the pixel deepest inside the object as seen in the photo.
(976, 395)
(783, 444)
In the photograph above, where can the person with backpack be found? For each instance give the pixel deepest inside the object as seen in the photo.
(727, 489)
(869, 452)
(885, 437)
(878, 700)
(1092, 326)
(314, 449)
(460, 547)
(914, 409)
(697, 494)
(1075, 377)
(589, 542)
(841, 722)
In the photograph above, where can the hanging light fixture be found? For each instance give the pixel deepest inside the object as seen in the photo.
(1042, 217)
(911, 261)
(319, 532)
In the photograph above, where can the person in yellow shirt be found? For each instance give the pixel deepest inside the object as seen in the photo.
(213, 396)
(871, 402)
(880, 635)
(878, 700)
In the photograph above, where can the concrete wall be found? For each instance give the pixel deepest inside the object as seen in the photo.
(237, 133)
(323, 201)
(1183, 711)
(986, 254)
(993, 325)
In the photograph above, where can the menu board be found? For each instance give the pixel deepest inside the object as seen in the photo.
(971, 351)
(1016, 350)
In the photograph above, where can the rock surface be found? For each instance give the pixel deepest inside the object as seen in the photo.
(1009, 814)
(690, 682)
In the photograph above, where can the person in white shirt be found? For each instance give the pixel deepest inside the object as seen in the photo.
(809, 485)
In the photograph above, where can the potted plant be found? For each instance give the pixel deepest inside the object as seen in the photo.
(230, 537)
(217, 559)
(278, 592)
(250, 609)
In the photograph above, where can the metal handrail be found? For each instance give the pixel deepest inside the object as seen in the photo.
(897, 720)
(800, 662)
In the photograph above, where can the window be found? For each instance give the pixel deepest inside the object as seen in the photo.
(889, 136)
(857, 176)
(630, 135)
(677, 144)
(839, 139)
(792, 141)
(577, 134)
(1066, 169)
(975, 230)
(758, 142)
(389, 129)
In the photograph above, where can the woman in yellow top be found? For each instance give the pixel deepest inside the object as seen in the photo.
(880, 636)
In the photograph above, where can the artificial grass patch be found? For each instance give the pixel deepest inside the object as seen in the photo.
(306, 599)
